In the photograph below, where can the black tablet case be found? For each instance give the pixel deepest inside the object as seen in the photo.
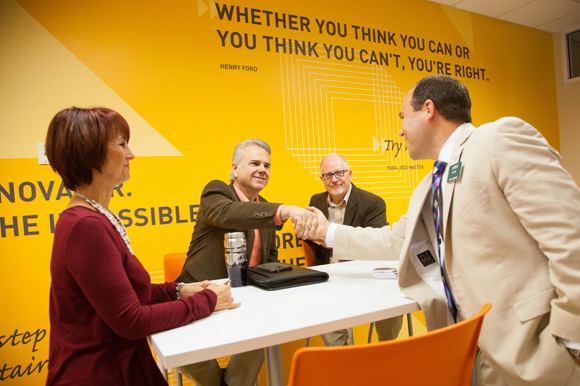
(297, 276)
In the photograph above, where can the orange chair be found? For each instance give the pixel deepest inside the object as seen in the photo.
(308, 254)
(442, 357)
(172, 265)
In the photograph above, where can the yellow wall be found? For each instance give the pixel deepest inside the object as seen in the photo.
(160, 64)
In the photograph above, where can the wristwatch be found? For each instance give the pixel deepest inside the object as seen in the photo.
(178, 287)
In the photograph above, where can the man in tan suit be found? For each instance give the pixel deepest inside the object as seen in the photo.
(234, 208)
(509, 235)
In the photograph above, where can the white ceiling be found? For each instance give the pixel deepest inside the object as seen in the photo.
(546, 15)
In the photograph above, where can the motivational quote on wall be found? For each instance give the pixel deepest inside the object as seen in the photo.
(388, 39)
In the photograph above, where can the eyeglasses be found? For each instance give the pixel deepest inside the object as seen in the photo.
(337, 174)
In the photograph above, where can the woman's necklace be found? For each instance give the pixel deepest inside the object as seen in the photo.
(112, 217)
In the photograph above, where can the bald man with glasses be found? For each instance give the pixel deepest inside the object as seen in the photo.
(344, 203)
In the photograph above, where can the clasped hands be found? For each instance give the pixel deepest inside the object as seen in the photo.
(309, 223)
(225, 301)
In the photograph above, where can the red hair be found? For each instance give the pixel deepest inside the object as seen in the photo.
(77, 140)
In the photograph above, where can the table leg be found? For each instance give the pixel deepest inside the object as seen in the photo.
(162, 369)
(410, 323)
(274, 370)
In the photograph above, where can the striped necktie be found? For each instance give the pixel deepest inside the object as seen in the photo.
(437, 202)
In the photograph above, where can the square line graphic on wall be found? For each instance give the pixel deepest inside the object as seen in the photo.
(350, 108)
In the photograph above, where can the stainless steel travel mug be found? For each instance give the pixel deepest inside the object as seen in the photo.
(236, 256)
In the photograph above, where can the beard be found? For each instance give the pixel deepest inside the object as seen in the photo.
(337, 190)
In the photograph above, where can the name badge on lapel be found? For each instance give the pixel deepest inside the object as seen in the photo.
(422, 253)
(454, 172)
(424, 260)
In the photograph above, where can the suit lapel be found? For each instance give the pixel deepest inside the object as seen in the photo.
(231, 185)
(351, 207)
(464, 135)
(415, 211)
(412, 285)
(407, 272)
(250, 232)
(322, 204)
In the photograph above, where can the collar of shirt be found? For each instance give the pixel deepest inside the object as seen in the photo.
(445, 153)
(336, 212)
(241, 195)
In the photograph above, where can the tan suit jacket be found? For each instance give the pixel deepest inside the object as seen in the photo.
(512, 238)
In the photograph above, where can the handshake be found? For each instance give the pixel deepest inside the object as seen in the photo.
(309, 223)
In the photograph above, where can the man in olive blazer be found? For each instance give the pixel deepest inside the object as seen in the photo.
(237, 208)
(511, 237)
(221, 211)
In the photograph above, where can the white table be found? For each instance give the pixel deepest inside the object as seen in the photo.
(266, 319)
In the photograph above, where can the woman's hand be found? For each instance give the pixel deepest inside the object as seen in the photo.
(225, 301)
(192, 289)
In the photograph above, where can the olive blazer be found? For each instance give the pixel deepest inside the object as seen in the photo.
(221, 211)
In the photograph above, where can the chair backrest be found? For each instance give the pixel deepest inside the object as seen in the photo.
(308, 254)
(442, 357)
(173, 264)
